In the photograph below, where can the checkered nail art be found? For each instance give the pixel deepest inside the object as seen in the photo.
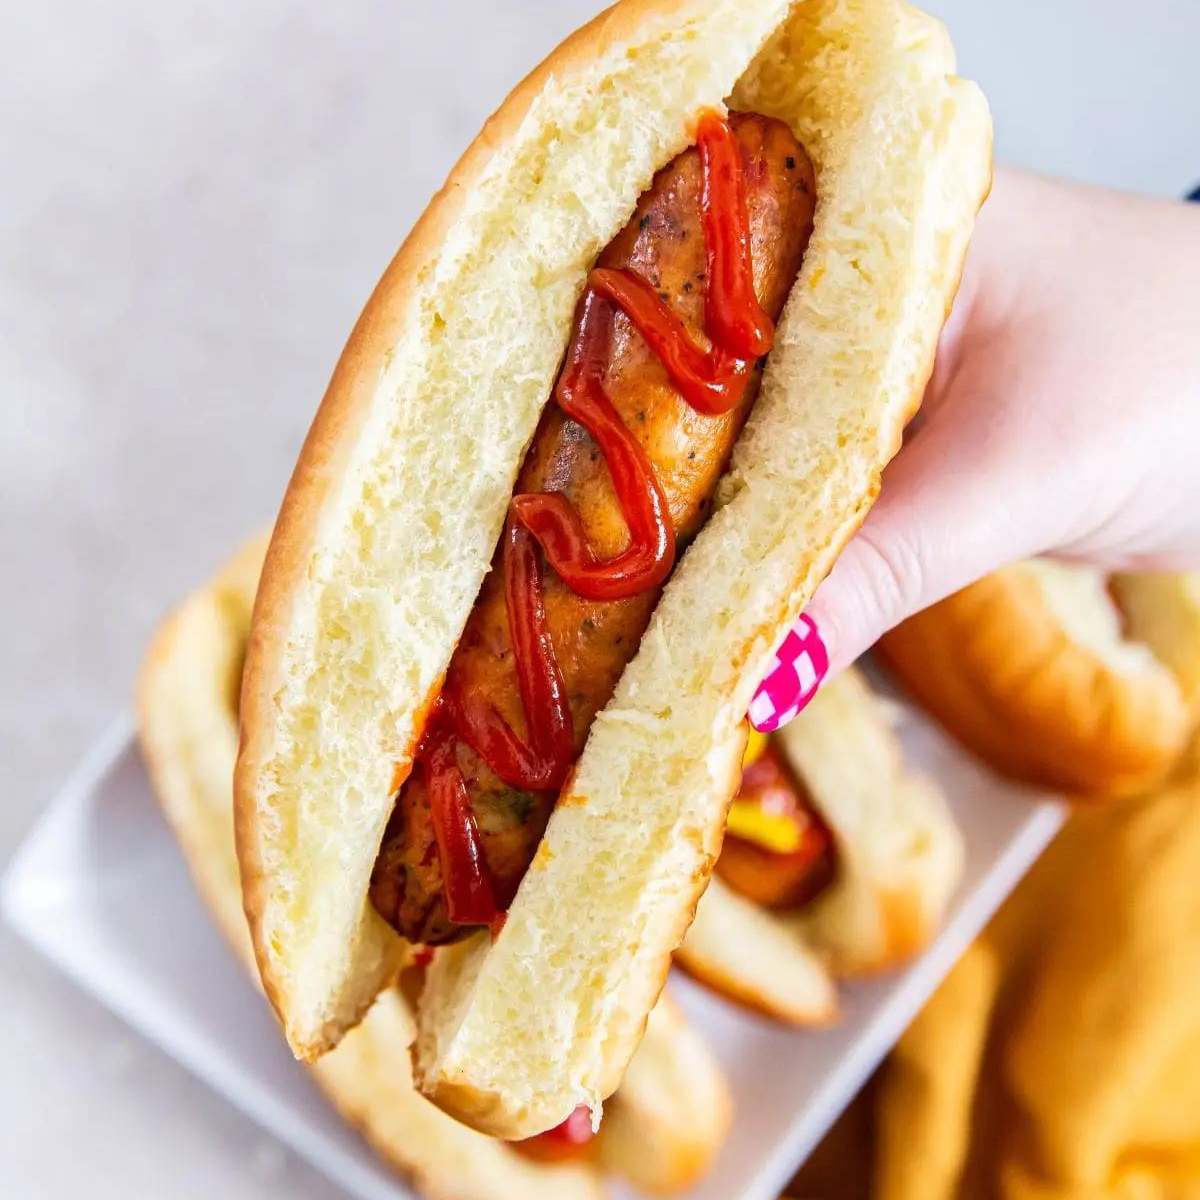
(801, 662)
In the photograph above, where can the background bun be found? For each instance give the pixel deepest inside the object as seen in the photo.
(673, 1110)
(1038, 671)
(187, 726)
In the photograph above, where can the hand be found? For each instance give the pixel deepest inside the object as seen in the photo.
(1063, 415)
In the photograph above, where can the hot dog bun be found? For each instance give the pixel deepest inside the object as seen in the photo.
(386, 530)
(899, 852)
(899, 858)
(1161, 609)
(745, 952)
(187, 716)
(673, 1110)
(1037, 671)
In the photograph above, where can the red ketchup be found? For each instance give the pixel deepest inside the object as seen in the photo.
(466, 880)
(568, 1140)
(712, 381)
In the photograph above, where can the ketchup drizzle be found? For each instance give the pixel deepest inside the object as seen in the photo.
(470, 893)
(568, 1139)
(733, 316)
(712, 380)
(552, 520)
(544, 764)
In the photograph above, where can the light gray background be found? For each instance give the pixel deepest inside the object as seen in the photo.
(195, 199)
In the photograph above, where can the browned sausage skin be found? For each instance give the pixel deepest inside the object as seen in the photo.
(593, 640)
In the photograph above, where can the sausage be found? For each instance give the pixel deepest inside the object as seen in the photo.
(779, 879)
(593, 640)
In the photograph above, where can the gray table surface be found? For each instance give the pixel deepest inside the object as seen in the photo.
(196, 198)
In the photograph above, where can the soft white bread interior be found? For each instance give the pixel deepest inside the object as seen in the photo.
(513, 1035)
(1161, 609)
(187, 718)
(1037, 669)
(388, 526)
(673, 1109)
(899, 856)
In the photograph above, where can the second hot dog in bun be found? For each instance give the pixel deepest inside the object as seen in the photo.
(661, 1129)
(550, 379)
(838, 861)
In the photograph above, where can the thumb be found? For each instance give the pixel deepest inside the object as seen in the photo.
(942, 520)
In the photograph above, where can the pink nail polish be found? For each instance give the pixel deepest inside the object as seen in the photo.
(801, 662)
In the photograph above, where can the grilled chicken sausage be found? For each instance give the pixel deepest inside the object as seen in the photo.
(593, 640)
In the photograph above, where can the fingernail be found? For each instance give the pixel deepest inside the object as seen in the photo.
(801, 662)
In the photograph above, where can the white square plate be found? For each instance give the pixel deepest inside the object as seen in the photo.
(101, 889)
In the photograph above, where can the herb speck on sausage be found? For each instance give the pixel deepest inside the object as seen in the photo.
(519, 804)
